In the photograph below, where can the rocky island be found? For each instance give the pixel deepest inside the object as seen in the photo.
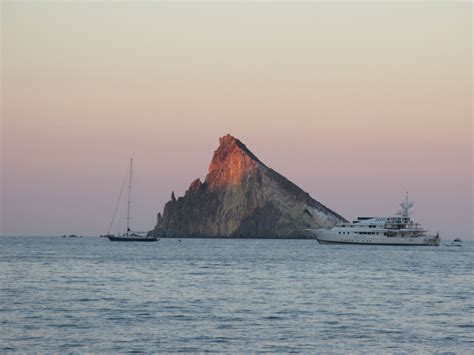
(241, 197)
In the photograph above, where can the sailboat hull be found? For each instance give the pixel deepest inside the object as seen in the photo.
(132, 239)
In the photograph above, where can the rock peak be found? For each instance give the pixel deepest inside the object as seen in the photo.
(232, 161)
(228, 140)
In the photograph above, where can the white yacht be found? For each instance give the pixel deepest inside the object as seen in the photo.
(396, 230)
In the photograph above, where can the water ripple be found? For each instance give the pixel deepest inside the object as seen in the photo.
(239, 296)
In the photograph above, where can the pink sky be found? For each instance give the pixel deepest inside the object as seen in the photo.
(354, 102)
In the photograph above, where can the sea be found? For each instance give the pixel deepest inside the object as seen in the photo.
(78, 295)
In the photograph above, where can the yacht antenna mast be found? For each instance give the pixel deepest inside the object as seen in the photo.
(406, 205)
(129, 190)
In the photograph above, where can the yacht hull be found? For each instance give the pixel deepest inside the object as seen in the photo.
(326, 237)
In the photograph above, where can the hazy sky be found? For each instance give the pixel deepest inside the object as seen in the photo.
(354, 102)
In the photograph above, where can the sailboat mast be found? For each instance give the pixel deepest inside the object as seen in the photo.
(129, 192)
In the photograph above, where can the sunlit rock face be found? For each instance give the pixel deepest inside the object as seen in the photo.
(231, 164)
(241, 197)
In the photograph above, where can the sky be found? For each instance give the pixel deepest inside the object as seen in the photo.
(355, 102)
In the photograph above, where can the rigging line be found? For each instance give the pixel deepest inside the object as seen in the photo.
(118, 201)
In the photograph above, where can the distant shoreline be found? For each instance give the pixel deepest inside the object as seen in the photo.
(200, 237)
(96, 236)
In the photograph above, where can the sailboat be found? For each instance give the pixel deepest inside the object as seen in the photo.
(129, 235)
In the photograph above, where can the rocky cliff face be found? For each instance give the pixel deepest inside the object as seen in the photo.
(242, 197)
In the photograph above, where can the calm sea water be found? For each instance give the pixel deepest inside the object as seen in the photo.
(92, 295)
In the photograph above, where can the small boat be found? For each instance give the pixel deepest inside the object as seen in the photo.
(457, 242)
(129, 235)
